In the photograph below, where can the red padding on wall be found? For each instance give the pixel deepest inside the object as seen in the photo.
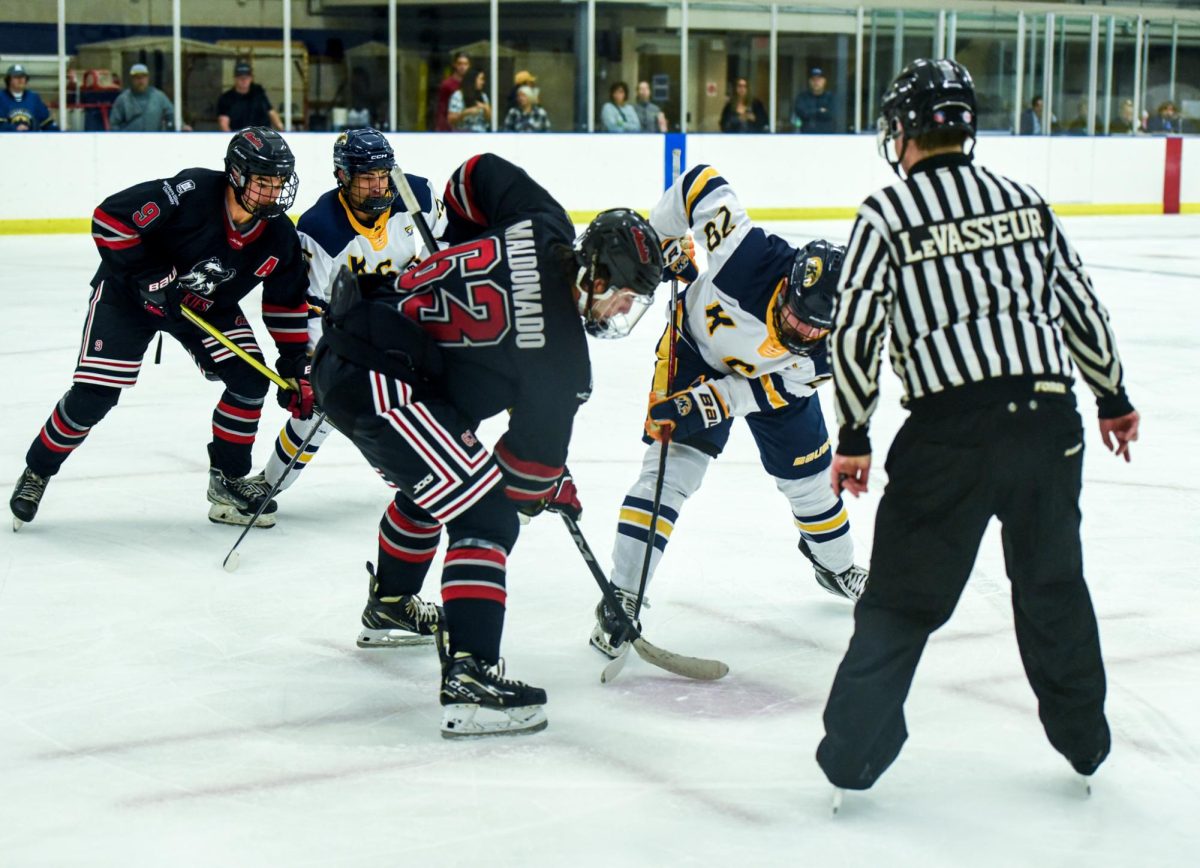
(1171, 175)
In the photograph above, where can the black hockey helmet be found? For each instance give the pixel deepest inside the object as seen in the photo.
(803, 309)
(927, 96)
(261, 151)
(364, 150)
(621, 247)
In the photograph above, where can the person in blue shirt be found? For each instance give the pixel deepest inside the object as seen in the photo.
(22, 110)
(815, 111)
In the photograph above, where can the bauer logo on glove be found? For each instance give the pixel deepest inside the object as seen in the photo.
(676, 412)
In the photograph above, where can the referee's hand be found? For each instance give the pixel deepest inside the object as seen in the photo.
(1123, 430)
(849, 473)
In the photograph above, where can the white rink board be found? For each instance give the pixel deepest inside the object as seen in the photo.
(155, 710)
(67, 175)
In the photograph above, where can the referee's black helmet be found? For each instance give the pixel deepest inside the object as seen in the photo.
(928, 96)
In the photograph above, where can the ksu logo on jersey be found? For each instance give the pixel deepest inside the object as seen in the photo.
(972, 233)
(206, 276)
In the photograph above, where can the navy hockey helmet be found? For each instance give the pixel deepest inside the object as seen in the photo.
(803, 309)
(259, 151)
(927, 96)
(364, 150)
(620, 247)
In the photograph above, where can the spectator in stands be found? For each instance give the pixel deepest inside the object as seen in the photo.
(526, 116)
(1033, 119)
(617, 115)
(814, 109)
(1078, 125)
(523, 78)
(1124, 124)
(22, 110)
(469, 110)
(743, 114)
(246, 104)
(650, 116)
(1167, 120)
(141, 107)
(450, 84)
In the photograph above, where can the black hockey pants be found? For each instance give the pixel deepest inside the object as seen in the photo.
(116, 334)
(1021, 462)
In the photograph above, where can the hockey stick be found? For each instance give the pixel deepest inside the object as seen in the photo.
(230, 564)
(414, 209)
(220, 338)
(698, 668)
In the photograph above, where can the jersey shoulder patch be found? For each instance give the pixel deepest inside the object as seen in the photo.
(325, 223)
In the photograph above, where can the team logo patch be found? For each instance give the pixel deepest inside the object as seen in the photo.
(639, 239)
(206, 276)
(468, 439)
(254, 140)
(813, 269)
(183, 187)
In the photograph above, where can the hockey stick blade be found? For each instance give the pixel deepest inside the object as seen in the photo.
(697, 668)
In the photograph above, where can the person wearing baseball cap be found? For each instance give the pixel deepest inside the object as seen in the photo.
(142, 108)
(22, 110)
(815, 110)
(246, 103)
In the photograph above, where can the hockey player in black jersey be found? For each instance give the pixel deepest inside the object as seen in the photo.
(202, 239)
(494, 322)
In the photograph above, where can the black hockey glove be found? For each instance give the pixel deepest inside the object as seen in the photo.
(299, 401)
(564, 499)
(152, 286)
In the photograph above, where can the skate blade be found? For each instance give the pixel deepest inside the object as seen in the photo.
(470, 721)
(599, 641)
(17, 524)
(392, 639)
(222, 514)
(835, 801)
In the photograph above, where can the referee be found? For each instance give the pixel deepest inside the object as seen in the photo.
(988, 305)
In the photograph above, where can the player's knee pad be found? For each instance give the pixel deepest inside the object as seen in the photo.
(493, 518)
(86, 404)
(684, 471)
(810, 495)
(245, 382)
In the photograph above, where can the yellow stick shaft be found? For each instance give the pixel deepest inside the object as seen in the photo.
(235, 349)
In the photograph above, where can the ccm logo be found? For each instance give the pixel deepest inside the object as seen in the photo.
(162, 284)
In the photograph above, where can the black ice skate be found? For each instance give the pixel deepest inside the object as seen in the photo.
(26, 496)
(234, 501)
(608, 625)
(478, 700)
(392, 622)
(849, 583)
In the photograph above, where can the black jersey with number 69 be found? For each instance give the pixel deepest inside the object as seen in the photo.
(499, 304)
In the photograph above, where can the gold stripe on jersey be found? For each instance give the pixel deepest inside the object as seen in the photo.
(376, 235)
(775, 399)
(694, 191)
(772, 347)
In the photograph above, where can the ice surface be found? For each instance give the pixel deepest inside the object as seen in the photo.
(156, 710)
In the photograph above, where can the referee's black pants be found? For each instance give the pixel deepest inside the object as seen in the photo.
(948, 474)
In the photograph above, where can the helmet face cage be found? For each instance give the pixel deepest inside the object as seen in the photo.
(359, 151)
(927, 96)
(809, 295)
(620, 247)
(263, 152)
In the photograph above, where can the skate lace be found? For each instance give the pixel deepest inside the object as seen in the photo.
(249, 487)
(421, 611)
(853, 581)
(32, 487)
(496, 671)
(629, 602)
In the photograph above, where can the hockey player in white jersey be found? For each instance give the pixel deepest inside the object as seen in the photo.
(751, 343)
(364, 225)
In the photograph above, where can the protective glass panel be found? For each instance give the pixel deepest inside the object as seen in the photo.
(729, 67)
(815, 41)
(638, 53)
(541, 48)
(987, 46)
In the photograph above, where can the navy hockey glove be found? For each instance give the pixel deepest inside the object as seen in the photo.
(564, 499)
(299, 401)
(688, 413)
(152, 287)
(679, 259)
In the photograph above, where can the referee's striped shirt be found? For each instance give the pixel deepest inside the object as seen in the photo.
(977, 280)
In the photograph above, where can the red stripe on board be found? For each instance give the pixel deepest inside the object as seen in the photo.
(1172, 172)
(474, 592)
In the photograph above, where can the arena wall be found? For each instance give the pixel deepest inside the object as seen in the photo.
(54, 181)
